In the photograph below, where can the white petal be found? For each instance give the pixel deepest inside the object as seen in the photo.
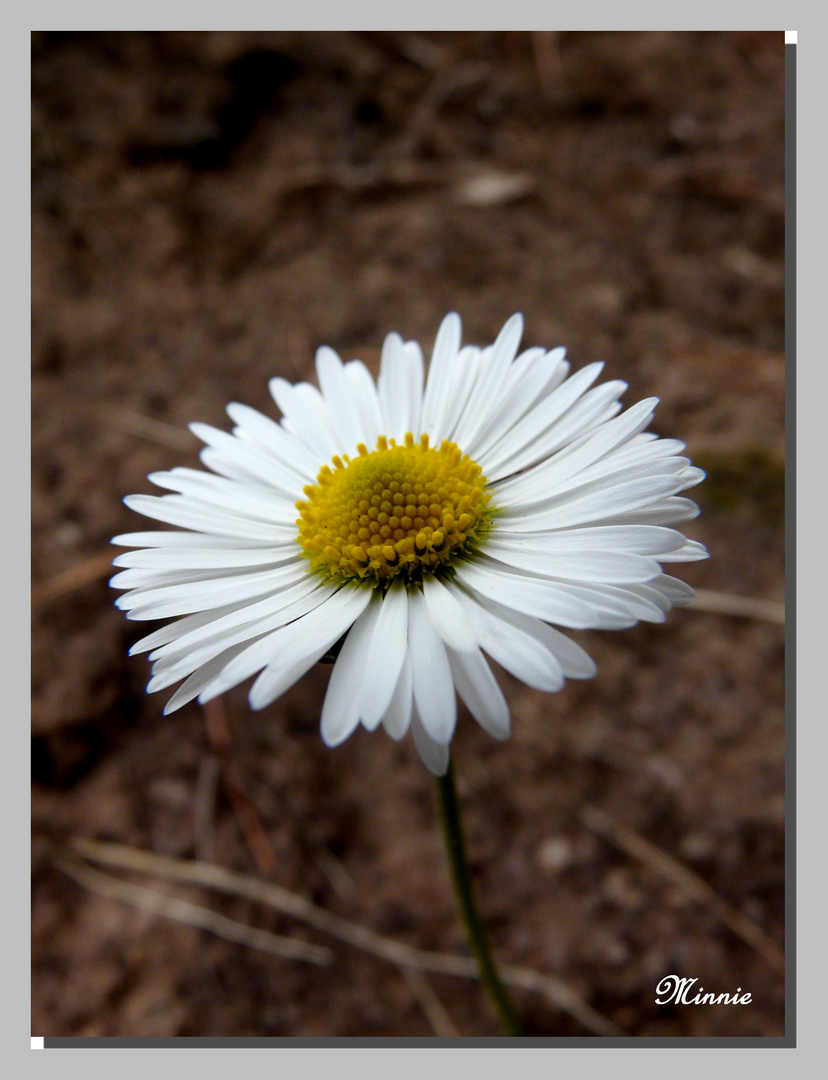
(229, 466)
(435, 754)
(567, 603)
(173, 630)
(544, 600)
(609, 610)
(518, 395)
(178, 660)
(398, 714)
(526, 433)
(264, 433)
(599, 566)
(515, 648)
(310, 635)
(340, 713)
(674, 510)
(595, 505)
(201, 558)
(575, 662)
(431, 676)
(181, 510)
(400, 388)
(384, 658)
(183, 599)
(689, 552)
(478, 687)
(447, 616)
(308, 417)
(275, 679)
(392, 387)
(677, 592)
(180, 539)
(567, 463)
(461, 382)
(366, 402)
(140, 580)
(489, 383)
(254, 461)
(545, 369)
(631, 539)
(646, 447)
(252, 500)
(195, 630)
(642, 601)
(446, 347)
(415, 368)
(200, 679)
(339, 398)
(595, 407)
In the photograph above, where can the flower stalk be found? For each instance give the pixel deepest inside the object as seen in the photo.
(458, 862)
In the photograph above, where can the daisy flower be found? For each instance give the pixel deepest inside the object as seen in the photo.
(416, 525)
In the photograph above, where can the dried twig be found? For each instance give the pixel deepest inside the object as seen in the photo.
(184, 912)
(204, 805)
(434, 1009)
(686, 880)
(745, 606)
(338, 877)
(218, 733)
(423, 116)
(68, 581)
(146, 427)
(235, 884)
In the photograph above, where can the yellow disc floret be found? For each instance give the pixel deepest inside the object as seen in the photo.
(400, 509)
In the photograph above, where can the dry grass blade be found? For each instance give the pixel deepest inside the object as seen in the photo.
(184, 912)
(221, 740)
(67, 581)
(146, 427)
(434, 1009)
(235, 884)
(204, 807)
(689, 883)
(423, 116)
(745, 606)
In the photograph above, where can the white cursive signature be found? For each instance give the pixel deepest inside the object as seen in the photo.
(674, 988)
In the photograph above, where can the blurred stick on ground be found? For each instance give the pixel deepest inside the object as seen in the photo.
(690, 883)
(746, 607)
(227, 881)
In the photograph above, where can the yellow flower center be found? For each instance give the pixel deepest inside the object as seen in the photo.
(407, 509)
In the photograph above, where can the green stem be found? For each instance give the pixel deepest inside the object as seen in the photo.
(456, 850)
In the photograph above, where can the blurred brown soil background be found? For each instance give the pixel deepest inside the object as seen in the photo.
(208, 209)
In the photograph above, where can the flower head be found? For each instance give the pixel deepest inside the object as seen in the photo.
(418, 523)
